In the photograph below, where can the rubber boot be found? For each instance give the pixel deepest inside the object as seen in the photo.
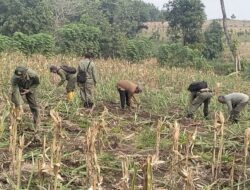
(70, 96)
(18, 111)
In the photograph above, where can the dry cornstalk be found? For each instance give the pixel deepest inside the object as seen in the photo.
(93, 168)
(56, 146)
(175, 153)
(19, 161)
(246, 147)
(148, 174)
(231, 177)
(176, 135)
(133, 182)
(187, 174)
(158, 139)
(218, 144)
(125, 174)
(13, 140)
(42, 163)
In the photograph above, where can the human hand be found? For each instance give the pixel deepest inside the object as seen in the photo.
(25, 91)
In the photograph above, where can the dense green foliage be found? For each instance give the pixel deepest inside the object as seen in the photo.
(26, 16)
(213, 41)
(109, 28)
(106, 27)
(5, 43)
(178, 55)
(186, 18)
(138, 49)
(28, 44)
(78, 39)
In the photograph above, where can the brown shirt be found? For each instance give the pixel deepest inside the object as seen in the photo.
(127, 85)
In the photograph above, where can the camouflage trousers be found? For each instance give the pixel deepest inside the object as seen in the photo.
(71, 85)
(197, 99)
(86, 93)
(31, 100)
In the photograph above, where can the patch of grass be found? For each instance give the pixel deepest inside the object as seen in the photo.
(146, 139)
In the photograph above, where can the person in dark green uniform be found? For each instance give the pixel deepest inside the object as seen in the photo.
(67, 74)
(88, 69)
(24, 84)
(199, 94)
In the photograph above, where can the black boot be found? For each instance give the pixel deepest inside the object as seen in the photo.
(122, 98)
(190, 115)
(88, 104)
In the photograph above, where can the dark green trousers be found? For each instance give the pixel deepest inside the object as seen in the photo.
(197, 99)
(31, 100)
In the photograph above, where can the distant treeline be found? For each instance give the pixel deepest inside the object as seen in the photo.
(108, 28)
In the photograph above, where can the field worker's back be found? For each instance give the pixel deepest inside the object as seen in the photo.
(236, 98)
(127, 85)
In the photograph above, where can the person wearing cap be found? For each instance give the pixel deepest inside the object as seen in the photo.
(66, 75)
(127, 89)
(87, 66)
(236, 102)
(24, 84)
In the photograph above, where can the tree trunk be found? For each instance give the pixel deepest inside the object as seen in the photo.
(229, 40)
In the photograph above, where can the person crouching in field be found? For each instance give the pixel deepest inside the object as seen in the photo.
(24, 83)
(66, 73)
(127, 89)
(236, 102)
(199, 94)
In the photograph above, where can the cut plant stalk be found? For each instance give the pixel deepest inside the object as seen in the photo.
(246, 147)
(56, 146)
(148, 174)
(218, 144)
(93, 169)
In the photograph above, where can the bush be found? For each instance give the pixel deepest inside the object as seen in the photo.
(22, 43)
(78, 39)
(42, 43)
(138, 50)
(178, 55)
(5, 43)
(222, 68)
(213, 44)
(37, 43)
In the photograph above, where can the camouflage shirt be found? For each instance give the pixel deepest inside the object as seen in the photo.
(89, 67)
(64, 76)
(30, 82)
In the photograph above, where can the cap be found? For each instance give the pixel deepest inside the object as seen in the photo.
(20, 70)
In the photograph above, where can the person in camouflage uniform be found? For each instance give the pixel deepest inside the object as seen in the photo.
(236, 102)
(86, 88)
(197, 98)
(24, 83)
(66, 76)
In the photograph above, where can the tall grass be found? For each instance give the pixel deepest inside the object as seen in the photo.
(165, 95)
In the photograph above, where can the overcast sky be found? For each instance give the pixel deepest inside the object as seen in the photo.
(240, 8)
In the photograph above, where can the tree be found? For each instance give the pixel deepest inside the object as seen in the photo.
(232, 45)
(186, 17)
(65, 10)
(26, 16)
(213, 40)
(233, 16)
